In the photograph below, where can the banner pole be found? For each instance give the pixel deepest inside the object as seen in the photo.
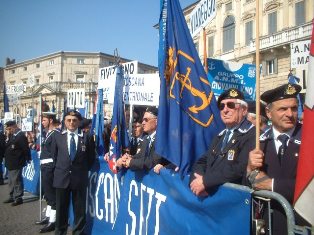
(40, 140)
(257, 44)
(205, 50)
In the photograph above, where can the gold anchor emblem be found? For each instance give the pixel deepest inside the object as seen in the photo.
(186, 84)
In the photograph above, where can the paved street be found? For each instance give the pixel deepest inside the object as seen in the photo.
(19, 219)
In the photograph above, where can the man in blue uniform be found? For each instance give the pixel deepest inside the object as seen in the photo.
(74, 153)
(16, 155)
(274, 166)
(145, 157)
(226, 159)
(47, 169)
(137, 135)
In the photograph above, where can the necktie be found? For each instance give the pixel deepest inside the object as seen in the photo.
(72, 147)
(226, 139)
(283, 138)
(149, 144)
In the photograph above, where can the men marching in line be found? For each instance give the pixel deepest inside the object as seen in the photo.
(74, 153)
(17, 154)
(47, 168)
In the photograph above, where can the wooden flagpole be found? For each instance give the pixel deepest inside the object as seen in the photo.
(205, 51)
(257, 44)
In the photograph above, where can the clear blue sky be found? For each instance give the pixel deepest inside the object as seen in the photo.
(33, 28)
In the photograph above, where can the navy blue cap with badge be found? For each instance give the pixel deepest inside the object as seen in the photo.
(153, 110)
(51, 115)
(232, 93)
(10, 123)
(74, 113)
(282, 92)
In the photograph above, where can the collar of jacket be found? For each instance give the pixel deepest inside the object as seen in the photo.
(79, 133)
(17, 132)
(243, 127)
(295, 137)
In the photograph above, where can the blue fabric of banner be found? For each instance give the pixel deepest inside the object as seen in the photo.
(31, 174)
(139, 203)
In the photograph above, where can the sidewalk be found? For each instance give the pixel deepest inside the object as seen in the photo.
(19, 219)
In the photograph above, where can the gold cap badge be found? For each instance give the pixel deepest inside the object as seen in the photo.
(290, 90)
(233, 93)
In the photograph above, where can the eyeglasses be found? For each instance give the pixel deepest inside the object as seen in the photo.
(71, 120)
(230, 105)
(147, 119)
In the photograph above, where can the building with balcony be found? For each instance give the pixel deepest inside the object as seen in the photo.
(53, 75)
(231, 35)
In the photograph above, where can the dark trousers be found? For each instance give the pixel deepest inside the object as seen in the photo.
(49, 190)
(16, 186)
(62, 210)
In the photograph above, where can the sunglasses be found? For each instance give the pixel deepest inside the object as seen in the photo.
(147, 119)
(230, 105)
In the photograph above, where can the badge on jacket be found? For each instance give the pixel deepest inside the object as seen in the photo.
(12, 146)
(83, 148)
(231, 155)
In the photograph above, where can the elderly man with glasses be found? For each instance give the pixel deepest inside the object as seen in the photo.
(145, 157)
(227, 157)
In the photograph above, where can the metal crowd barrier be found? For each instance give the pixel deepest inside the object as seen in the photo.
(265, 197)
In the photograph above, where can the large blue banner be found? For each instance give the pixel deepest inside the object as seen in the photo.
(138, 203)
(224, 75)
(30, 174)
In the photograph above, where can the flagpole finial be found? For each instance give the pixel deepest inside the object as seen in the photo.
(116, 56)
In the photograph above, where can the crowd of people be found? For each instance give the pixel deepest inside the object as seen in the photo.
(67, 155)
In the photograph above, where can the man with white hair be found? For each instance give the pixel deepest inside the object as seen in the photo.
(227, 157)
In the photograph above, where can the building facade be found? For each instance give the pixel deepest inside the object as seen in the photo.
(231, 35)
(51, 76)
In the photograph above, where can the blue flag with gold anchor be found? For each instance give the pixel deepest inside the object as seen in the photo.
(188, 116)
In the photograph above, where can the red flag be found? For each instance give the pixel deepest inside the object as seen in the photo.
(304, 189)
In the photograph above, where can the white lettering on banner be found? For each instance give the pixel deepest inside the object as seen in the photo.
(300, 53)
(225, 86)
(92, 181)
(29, 171)
(144, 208)
(111, 191)
(202, 14)
(111, 197)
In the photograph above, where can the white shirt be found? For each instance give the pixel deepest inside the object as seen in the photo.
(277, 141)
